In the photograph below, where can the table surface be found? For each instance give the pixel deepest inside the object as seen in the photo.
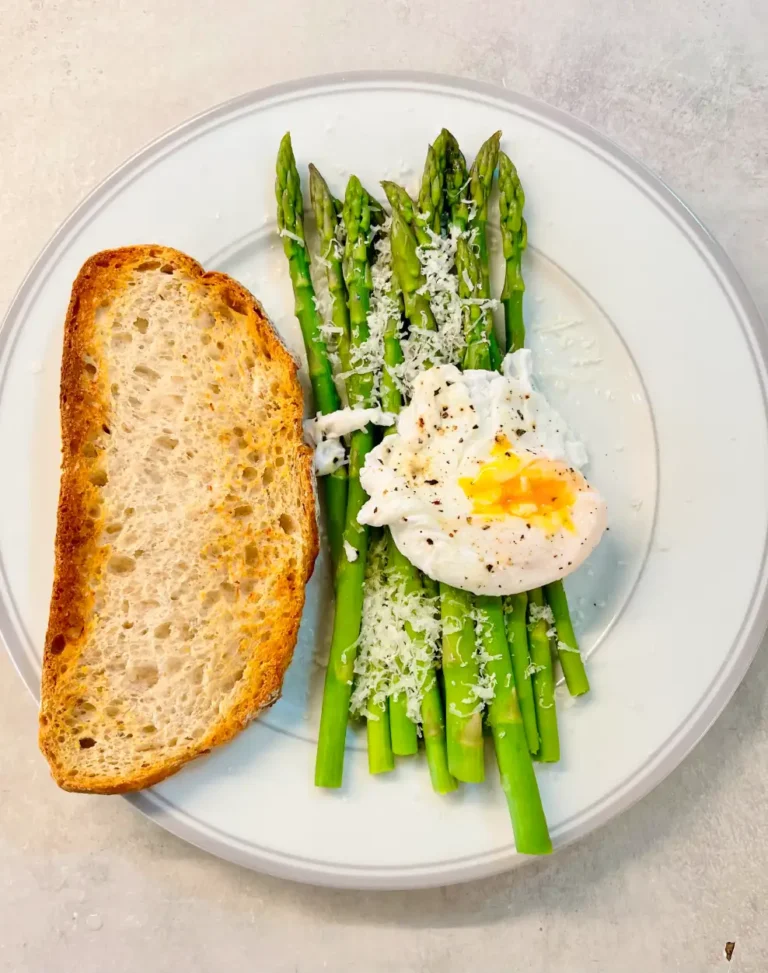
(87, 884)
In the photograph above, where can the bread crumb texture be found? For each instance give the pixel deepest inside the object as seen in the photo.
(186, 524)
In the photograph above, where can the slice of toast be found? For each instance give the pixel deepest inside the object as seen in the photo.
(186, 523)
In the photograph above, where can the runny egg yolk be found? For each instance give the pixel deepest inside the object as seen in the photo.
(538, 490)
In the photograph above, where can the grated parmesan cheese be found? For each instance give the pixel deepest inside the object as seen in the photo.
(562, 647)
(399, 639)
(291, 236)
(542, 612)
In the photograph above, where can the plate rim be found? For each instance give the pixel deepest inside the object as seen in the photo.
(746, 642)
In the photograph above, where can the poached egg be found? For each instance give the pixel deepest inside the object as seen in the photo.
(481, 485)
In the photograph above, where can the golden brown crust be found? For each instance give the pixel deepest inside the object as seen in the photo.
(79, 559)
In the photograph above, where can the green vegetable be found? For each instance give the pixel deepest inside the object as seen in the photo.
(514, 235)
(327, 217)
(433, 723)
(518, 778)
(568, 647)
(290, 222)
(480, 182)
(504, 715)
(350, 576)
(406, 265)
(543, 680)
(517, 637)
(461, 673)
(514, 239)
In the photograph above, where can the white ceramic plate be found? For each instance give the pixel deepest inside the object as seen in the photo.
(646, 341)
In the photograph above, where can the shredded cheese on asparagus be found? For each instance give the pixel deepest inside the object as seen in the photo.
(398, 642)
(542, 612)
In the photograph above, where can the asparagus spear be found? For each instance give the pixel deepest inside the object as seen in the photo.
(290, 221)
(504, 715)
(514, 235)
(407, 274)
(478, 324)
(480, 181)
(402, 728)
(460, 667)
(568, 647)
(327, 215)
(350, 576)
(381, 758)
(517, 638)
(543, 679)
(518, 778)
(465, 739)
(407, 267)
(472, 253)
(431, 192)
(461, 673)
(514, 239)
(456, 183)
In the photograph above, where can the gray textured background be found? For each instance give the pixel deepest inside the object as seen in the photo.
(88, 885)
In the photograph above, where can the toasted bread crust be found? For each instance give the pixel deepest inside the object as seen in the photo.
(79, 556)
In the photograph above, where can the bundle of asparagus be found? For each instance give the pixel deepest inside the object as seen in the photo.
(387, 318)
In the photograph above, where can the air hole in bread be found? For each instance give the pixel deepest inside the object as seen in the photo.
(209, 599)
(215, 388)
(90, 451)
(58, 644)
(141, 325)
(242, 510)
(251, 553)
(279, 461)
(143, 675)
(206, 339)
(113, 528)
(254, 456)
(146, 372)
(250, 473)
(249, 362)
(121, 564)
(149, 265)
(287, 523)
(86, 743)
(229, 591)
(220, 345)
(91, 369)
(167, 269)
(163, 630)
(99, 478)
(149, 728)
(167, 442)
(127, 625)
(267, 476)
